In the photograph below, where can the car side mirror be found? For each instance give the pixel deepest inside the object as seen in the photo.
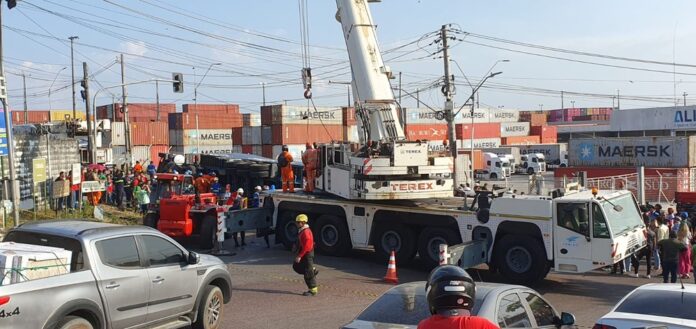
(567, 319)
(193, 258)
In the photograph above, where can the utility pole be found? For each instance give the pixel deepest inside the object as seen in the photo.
(90, 141)
(562, 102)
(157, 96)
(124, 106)
(618, 100)
(72, 67)
(685, 94)
(449, 106)
(13, 188)
(417, 98)
(263, 87)
(26, 107)
(399, 87)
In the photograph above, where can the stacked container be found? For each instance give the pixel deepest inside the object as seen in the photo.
(32, 117)
(137, 112)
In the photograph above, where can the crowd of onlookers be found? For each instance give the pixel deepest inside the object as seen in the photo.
(671, 245)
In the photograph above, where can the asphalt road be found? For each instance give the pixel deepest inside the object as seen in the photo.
(267, 293)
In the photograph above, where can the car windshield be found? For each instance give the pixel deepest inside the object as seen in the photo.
(164, 189)
(672, 304)
(404, 306)
(621, 221)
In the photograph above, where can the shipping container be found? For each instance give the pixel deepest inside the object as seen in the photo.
(266, 135)
(203, 137)
(257, 150)
(512, 129)
(62, 115)
(481, 115)
(247, 149)
(118, 135)
(552, 152)
(477, 158)
(302, 133)
(350, 134)
(348, 116)
(32, 117)
(236, 136)
(426, 116)
(118, 155)
(204, 121)
(656, 152)
(547, 134)
(521, 140)
(203, 149)
(295, 150)
(426, 131)
(267, 151)
(660, 118)
(251, 120)
(285, 114)
(138, 111)
(512, 150)
(266, 115)
(660, 183)
(481, 130)
(155, 150)
(141, 153)
(216, 108)
(251, 135)
(478, 143)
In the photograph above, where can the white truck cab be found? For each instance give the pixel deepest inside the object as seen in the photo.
(494, 167)
(532, 163)
(513, 163)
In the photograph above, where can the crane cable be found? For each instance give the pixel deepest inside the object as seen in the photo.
(304, 39)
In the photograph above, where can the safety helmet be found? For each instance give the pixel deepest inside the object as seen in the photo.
(302, 218)
(450, 287)
(240, 191)
(285, 147)
(257, 188)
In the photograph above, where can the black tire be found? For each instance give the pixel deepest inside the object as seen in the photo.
(563, 165)
(521, 259)
(530, 171)
(494, 176)
(150, 220)
(429, 242)
(74, 322)
(208, 232)
(395, 237)
(211, 309)
(286, 229)
(332, 237)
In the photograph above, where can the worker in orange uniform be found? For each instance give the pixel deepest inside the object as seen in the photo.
(304, 261)
(285, 164)
(201, 184)
(310, 160)
(138, 168)
(451, 294)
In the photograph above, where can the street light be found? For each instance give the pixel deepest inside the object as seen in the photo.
(572, 104)
(49, 88)
(195, 89)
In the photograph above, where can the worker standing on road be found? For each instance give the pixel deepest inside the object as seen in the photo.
(285, 164)
(304, 262)
(451, 293)
(310, 159)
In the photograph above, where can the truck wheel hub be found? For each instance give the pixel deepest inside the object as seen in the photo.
(391, 241)
(518, 259)
(329, 235)
(434, 247)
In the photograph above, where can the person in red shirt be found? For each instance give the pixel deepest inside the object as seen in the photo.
(451, 292)
(304, 262)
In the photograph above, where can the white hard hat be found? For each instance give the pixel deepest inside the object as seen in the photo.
(257, 188)
(240, 191)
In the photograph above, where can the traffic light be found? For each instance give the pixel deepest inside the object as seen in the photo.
(11, 4)
(83, 91)
(178, 82)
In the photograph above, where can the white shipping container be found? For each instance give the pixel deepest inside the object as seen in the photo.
(479, 143)
(285, 114)
(267, 135)
(422, 115)
(236, 149)
(350, 134)
(481, 115)
(105, 155)
(252, 119)
(203, 149)
(295, 150)
(551, 152)
(142, 154)
(23, 262)
(257, 150)
(252, 135)
(201, 137)
(118, 135)
(658, 118)
(118, 155)
(510, 129)
(654, 152)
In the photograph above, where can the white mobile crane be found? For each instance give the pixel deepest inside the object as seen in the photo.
(386, 166)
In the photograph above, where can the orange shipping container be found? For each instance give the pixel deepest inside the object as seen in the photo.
(32, 117)
(155, 150)
(141, 111)
(481, 130)
(520, 140)
(477, 158)
(426, 131)
(219, 108)
(547, 134)
(300, 134)
(537, 119)
(204, 121)
(348, 116)
(149, 133)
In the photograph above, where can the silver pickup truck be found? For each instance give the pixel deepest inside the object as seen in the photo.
(120, 277)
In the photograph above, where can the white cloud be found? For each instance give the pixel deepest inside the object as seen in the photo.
(136, 48)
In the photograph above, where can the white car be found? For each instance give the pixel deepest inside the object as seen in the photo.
(654, 305)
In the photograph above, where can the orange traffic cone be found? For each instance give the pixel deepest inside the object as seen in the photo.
(391, 270)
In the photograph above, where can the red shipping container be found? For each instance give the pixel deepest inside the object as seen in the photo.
(142, 111)
(32, 117)
(204, 121)
(220, 108)
(159, 133)
(300, 134)
(481, 130)
(155, 150)
(544, 132)
(237, 136)
(247, 149)
(520, 140)
(348, 116)
(266, 115)
(426, 131)
(267, 151)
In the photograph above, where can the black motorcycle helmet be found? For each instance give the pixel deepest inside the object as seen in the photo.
(450, 287)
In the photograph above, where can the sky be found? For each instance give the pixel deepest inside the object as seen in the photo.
(591, 50)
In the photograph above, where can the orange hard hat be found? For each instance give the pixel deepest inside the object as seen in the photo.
(308, 145)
